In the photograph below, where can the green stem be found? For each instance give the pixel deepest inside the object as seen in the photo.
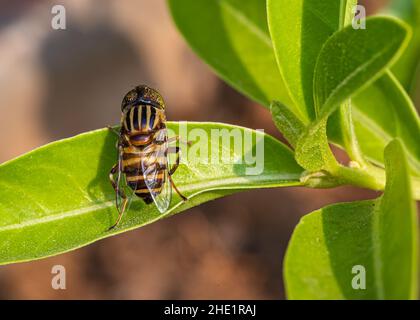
(349, 137)
(369, 177)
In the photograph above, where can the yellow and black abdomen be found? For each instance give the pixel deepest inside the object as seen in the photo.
(140, 123)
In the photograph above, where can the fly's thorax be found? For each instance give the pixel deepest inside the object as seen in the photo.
(140, 121)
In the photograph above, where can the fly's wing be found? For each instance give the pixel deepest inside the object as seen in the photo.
(155, 167)
(122, 185)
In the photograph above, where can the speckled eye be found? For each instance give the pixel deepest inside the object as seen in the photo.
(131, 96)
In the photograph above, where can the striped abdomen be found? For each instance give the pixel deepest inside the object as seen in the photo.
(139, 165)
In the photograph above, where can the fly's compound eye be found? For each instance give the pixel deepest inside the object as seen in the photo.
(131, 96)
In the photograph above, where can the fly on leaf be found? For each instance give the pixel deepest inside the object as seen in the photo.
(143, 168)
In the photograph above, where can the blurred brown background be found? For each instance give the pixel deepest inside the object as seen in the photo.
(55, 84)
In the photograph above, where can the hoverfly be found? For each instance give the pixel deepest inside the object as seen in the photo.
(143, 167)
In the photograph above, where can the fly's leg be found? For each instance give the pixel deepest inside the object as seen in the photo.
(178, 138)
(122, 138)
(118, 193)
(175, 150)
(124, 206)
(113, 130)
(112, 180)
(175, 166)
(184, 198)
(172, 171)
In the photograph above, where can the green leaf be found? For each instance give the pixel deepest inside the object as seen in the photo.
(298, 30)
(384, 112)
(352, 59)
(287, 122)
(341, 130)
(397, 228)
(232, 37)
(58, 197)
(405, 68)
(380, 235)
(313, 151)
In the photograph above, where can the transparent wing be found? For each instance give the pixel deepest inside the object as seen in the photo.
(123, 190)
(155, 167)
